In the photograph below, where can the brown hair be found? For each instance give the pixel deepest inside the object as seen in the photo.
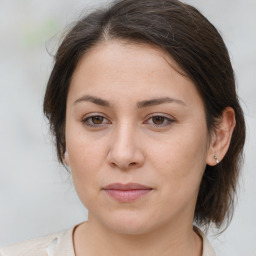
(197, 47)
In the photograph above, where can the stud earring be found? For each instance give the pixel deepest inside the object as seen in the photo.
(65, 159)
(216, 159)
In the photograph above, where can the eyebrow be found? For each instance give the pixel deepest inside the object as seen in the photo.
(141, 104)
(158, 101)
(94, 100)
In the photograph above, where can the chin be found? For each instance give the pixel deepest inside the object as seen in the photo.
(129, 223)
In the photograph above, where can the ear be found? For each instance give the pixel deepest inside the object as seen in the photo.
(66, 158)
(221, 137)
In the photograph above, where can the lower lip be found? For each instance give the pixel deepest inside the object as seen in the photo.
(126, 196)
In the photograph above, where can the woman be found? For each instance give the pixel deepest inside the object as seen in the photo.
(143, 107)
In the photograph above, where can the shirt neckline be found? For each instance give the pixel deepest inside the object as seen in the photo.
(65, 245)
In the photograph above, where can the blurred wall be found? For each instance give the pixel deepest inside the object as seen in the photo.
(36, 194)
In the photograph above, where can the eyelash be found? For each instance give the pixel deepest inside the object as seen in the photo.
(167, 121)
(86, 120)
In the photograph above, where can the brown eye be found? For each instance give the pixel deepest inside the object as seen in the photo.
(158, 120)
(97, 119)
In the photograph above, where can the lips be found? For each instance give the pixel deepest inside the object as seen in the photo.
(126, 192)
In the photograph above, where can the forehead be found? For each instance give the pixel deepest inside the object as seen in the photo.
(129, 55)
(119, 67)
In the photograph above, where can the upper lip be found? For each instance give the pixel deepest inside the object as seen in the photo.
(128, 186)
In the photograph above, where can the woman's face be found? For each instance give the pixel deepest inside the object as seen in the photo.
(136, 138)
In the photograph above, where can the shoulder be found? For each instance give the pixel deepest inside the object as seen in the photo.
(31, 247)
(207, 248)
(53, 244)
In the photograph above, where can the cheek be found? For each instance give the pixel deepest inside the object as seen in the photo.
(85, 176)
(84, 149)
(181, 159)
(85, 158)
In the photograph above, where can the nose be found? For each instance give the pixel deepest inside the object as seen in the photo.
(125, 148)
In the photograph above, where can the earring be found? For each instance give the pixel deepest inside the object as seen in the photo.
(216, 159)
(65, 158)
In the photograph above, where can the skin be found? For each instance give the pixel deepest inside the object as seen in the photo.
(126, 144)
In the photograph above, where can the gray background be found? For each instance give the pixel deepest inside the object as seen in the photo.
(36, 194)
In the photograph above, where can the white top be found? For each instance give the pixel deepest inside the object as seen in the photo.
(61, 244)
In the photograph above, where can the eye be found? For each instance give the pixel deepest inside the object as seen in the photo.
(95, 121)
(159, 120)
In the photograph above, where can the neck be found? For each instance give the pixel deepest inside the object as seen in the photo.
(92, 238)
